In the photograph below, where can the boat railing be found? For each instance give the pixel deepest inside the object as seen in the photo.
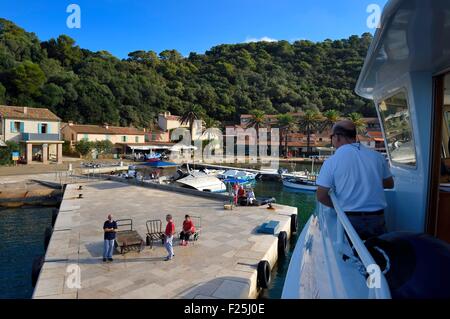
(380, 288)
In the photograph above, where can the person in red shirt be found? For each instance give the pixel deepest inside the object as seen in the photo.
(168, 236)
(235, 193)
(188, 230)
(241, 194)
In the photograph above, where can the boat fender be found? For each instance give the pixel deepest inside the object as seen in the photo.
(282, 244)
(47, 236)
(294, 226)
(263, 275)
(38, 262)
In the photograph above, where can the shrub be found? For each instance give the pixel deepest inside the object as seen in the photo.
(104, 147)
(5, 153)
(84, 147)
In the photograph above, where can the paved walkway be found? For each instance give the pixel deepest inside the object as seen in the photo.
(222, 264)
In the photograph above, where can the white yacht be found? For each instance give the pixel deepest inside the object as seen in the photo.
(407, 75)
(201, 181)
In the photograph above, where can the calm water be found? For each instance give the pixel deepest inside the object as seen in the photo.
(22, 239)
(305, 203)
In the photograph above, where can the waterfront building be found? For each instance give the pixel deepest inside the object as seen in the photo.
(36, 130)
(123, 138)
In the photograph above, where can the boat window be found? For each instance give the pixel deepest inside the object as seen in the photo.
(395, 117)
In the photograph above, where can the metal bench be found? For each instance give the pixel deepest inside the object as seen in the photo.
(128, 239)
(154, 231)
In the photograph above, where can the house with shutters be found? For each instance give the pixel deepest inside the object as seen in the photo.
(36, 130)
(123, 138)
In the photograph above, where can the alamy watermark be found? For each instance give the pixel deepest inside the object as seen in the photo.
(237, 145)
(73, 280)
(374, 279)
(374, 18)
(74, 19)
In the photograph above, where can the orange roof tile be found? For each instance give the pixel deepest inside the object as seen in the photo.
(27, 113)
(111, 130)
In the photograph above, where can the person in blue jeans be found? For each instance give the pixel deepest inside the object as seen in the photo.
(110, 230)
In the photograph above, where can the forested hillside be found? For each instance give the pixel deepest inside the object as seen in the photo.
(96, 87)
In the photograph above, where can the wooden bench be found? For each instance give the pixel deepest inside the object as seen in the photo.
(128, 239)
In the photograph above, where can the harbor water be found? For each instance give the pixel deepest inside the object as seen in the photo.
(22, 239)
(305, 203)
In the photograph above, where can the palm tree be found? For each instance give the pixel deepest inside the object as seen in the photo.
(310, 121)
(257, 120)
(331, 117)
(358, 121)
(287, 123)
(192, 114)
(211, 123)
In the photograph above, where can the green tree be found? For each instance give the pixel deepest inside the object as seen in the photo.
(224, 82)
(193, 113)
(84, 147)
(330, 118)
(209, 124)
(358, 121)
(27, 78)
(104, 147)
(310, 121)
(287, 124)
(6, 152)
(2, 94)
(257, 121)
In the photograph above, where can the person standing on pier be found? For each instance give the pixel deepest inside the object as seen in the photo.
(168, 237)
(358, 176)
(109, 229)
(235, 193)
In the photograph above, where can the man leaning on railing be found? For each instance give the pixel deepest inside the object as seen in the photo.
(358, 177)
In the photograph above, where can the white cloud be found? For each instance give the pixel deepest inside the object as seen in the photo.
(263, 39)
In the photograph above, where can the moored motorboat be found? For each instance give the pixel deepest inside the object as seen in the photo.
(300, 184)
(237, 174)
(202, 182)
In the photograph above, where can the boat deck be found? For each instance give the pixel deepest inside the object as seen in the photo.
(221, 264)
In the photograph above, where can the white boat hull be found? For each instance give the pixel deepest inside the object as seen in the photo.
(305, 187)
(317, 269)
(203, 183)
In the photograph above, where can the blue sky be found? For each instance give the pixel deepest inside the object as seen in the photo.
(123, 26)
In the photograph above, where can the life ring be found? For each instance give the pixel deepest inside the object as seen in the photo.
(263, 275)
(294, 225)
(282, 244)
(38, 262)
(47, 236)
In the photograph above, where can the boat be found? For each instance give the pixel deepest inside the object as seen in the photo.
(202, 182)
(270, 174)
(158, 164)
(301, 184)
(211, 172)
(240, 175)
(406, 74)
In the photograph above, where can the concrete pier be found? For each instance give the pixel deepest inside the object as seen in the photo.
(221, 264)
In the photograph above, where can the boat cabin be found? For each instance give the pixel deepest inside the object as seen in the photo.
(407, 75)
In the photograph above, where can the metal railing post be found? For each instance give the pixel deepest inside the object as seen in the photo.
(383, 292)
